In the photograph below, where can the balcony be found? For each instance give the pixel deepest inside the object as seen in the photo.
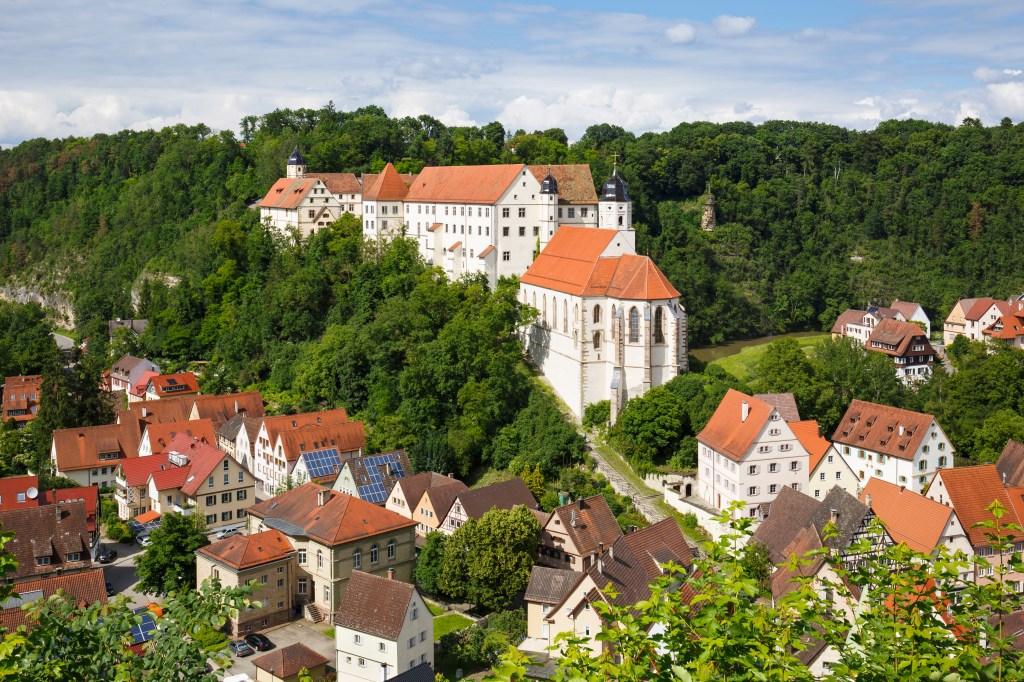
(121, 497)
(120, 482)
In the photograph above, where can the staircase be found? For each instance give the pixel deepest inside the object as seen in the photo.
(314, 613)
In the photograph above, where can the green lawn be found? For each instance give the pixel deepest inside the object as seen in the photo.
(743, 365)
(450, 623)
(435, 609)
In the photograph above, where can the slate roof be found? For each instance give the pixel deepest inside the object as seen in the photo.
(374, 605)
(232, 427)
(290, 660)
(419, 673)
(1010, 464)
(849, 514)
(785, 403)
(242, 552)
(572, 263)
(790, 511)
(877, 427)
(387, 186)
(970, 491)
(595, 523)
(161, 435)
(503, 495)
(84, 587)
(48, 531)
(912, 519)
(727, 432)
(342, 518)
(464, 184)
(551, 585)
(575, 182)
(80, 448)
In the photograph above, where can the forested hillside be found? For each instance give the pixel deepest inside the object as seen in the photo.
(811, 218)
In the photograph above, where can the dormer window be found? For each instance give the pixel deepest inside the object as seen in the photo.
(42, 561)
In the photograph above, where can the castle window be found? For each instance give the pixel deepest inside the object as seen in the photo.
(544, 309)
(597, 314)
(597, 341)
(554, 312)
(565, 317)
(634, 325)
(659, 324)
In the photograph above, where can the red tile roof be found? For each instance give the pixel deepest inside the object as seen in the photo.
(807, 433)
(374, 605)
(595, 525)
(286, 422)
(203, 458)
(11, 486)
(242, 552)
(339, 183)
(888, 430)
(912, 519)
(434, 227)
(1007, 327)
(161, 411)
(220, 408)
(847, 317)
(161, 435)
(982, 306)
(171, 478)
(455, 246)
(414, 486)
(21, 393)
(970, 490)
(898, 338)
(49, 531)
(288, 193)
(572, 263)
(136, 472)
(486, 251)
(785, 403)
(182, 383)
(146, 517)
(342, 518)
(290, 660)
(727, 432)
(388, 186)
(575, 182)
(905, 308)
(346, 437)
(84, 587)
(138, 389)
(464, 184)
(80, 448)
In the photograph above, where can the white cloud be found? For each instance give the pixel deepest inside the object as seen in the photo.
(730, 26)
(811, 35)
(680, 34)
(987, 75)
(1007, 99)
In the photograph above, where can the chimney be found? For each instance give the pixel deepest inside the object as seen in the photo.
(236, 406)
(902, 429)
(744, 411)
(611, 552)
(391, 574)
(600, 558)
(867, 500)
(388, 469)
(322, 497)
(833, 515)
(572, 518)
(145, 413)
(451, 475)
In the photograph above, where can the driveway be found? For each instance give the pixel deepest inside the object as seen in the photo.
(302, 631)
(121, 573)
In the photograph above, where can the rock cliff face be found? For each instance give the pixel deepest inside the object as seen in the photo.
(59, 304)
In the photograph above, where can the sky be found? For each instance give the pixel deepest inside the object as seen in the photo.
(76, 68)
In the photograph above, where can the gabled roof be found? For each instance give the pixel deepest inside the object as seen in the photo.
(463, 184)
(161, 435)
(80, 448)
(575, 182)
(288, 193)
(1007, 327)
(880, 428)
(220, 408)
(375, 475)
(727, 432)
(785, 403)
(847, 317)
(1010, 464)
(128, 362)
(138, 327)
(785, 580)
(414, 486)
(345, 437)
(551, 585)
(136, 472)
(982, 306)
(170, 478)
(503, 495)
(175, 409)
(633, 560)
(911, 519)
(339, 183)
(572, 263)
(342, 518)
(374, 605)
(388, 186)
(790, 511)
(419, 673)
(842, 510)
(486, 251)
(290, 660)
(899, 335)
(49, 531)
(971, 490)
(441, 497)
(286, 422)
(807, 433)
(242, 552)
(905, 308)
(181, 383)
(84, 587)
(232, 427)
(589, 523)
(138, 389)
(203, 458)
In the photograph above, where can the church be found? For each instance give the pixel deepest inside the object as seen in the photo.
(610, 324)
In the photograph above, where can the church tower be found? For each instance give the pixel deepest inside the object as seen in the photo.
(548, 208)
(615, 210)
(296, 164)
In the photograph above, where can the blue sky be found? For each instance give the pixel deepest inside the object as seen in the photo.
(73, 67)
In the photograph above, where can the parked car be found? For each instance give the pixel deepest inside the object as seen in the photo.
(227, 532)
(106, 555)
(143, 540)
(240, 649)
(110, 589)
(259, 642)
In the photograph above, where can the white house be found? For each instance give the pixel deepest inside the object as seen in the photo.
(610, 324)
(971, 316)
(282, 439)
(858, 324)
(899, 446)
(913, 312)
(748, 453)
(381, 628)
(299, 201)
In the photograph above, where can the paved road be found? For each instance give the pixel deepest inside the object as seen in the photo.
(121, 573)
(296, 631)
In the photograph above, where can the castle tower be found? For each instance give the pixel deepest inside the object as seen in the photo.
(615, 210)
(296, 164)
(548, 208)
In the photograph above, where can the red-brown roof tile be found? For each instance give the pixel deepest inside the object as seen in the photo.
(290, 660)
(727, 432)
(220, 408)
(346, 437)
(161, 435)
(375, 606)
(888, 430)
(181, 383)
(203, 458)
(288, 193)
(339, 183)
(50, 531)
(807, 433)
(846, 318)
(388, 186)
(970, 491)
(594, 526)
(13, 486)
(575, 182)
(464, 184)
(912, 519)
(242, 552)
(136, 472)
(21, 393)
(487, 250)
(84, 588)
(504, 495)
(905, 308)
(80, 448)
(982, 306)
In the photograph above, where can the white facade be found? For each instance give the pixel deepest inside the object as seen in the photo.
(914, 470)
(362, 656)
(317, 208)
(832, 470)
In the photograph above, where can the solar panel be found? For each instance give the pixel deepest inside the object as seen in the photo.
(144, 631)
(376, 469)
(322, 462)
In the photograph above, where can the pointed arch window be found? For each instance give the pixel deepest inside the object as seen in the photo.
(544, 309)
(634, 325)
(554, 312)
(565, 317)
(597, 314)
(597, 341)
(659, 325)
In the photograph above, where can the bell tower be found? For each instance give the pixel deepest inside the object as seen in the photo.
(615, 210)
(296, 164)
(548, 208)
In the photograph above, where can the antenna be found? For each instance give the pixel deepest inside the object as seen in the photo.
(615, 163)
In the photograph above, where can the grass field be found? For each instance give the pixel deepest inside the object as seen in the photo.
(435, 609)
(743, 365)
(450, 623)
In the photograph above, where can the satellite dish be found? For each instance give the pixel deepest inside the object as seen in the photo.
(32, 493)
